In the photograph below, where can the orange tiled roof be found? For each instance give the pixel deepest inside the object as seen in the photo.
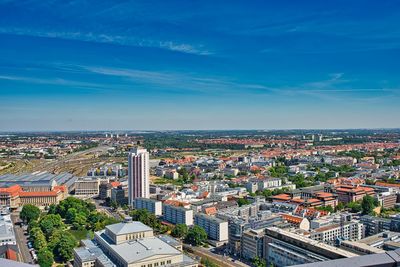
(12, 190)
(323, 194)
(115, 184)
(292, 219)
(59, 188)
(175, 203)
(282, 197)
(210, 210)
(387, 184)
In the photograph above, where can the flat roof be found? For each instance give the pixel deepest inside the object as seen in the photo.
(140, 249)
(35, 179)
(312, 242)
(391, 258)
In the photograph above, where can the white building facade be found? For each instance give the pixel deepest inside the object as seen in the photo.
(138, 174)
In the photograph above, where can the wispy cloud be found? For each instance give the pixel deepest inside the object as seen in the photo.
(55, 81)
(182, 81)
(111, 39)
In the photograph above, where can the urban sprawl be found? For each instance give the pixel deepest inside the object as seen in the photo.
(201, 198)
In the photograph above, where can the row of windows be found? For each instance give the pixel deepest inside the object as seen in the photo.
(156, 264)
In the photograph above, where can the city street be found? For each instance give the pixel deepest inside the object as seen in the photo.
(106, 210)
(24, 254)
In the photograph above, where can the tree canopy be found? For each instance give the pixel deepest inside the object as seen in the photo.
(196, 236)
(180, 231)
(45, 258)
(29, 212)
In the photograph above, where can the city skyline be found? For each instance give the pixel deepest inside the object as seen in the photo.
(198, 65)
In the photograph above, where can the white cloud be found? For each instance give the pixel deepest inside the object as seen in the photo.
(111, 39)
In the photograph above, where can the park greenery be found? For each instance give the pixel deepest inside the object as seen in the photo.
(180, 231)
(196, 236)
(365, 206)
(56, 233)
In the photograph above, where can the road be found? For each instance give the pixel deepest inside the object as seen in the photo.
(220, 260)
(106, 210)
(24, 254)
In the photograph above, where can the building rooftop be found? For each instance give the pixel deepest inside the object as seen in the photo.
(10, 263)
(36, 179)
(388, 259)
(139, 249)
(126, 228)
(312, 242)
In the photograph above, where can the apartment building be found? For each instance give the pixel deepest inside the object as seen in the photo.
(215, 228)
(177, 215)
(329, 234)
(153, 206)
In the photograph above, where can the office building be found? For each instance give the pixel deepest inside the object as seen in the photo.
(284, 248)
(87, 187)
(177, 215)
(119, 195)
(105, 190)
(252, 244)
(153, 206)
(138, 174)
(14, 196)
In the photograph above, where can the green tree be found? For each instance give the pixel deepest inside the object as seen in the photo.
(180, 231)
(243, 201)
(45, 258)
(368, 204)
(50, 222)
(54, 239)
(354, 206)
(65, 246)
(38, 238)
(79, 221)
(339, 207)
(196, 236)
(29, 212)
(259, 262)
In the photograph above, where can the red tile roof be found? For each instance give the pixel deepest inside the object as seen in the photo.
(292, 219)
(115, 184)
(210, 210)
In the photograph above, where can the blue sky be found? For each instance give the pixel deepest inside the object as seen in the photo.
(91, 65)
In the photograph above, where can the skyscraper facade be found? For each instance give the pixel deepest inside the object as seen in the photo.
(138, 174)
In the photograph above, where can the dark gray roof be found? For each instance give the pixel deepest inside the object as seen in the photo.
(391, 258)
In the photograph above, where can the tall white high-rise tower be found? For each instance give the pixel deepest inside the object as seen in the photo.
(138, 174)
